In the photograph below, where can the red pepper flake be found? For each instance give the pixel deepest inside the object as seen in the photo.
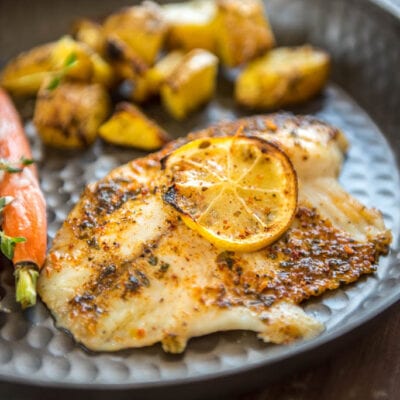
(348, 249)
(140, 333)
(271, 125)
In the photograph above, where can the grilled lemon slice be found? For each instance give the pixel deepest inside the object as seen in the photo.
(240, 193)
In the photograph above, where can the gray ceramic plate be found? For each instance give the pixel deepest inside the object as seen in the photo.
(362, 99)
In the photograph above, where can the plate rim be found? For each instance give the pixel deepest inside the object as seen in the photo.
(296, 350)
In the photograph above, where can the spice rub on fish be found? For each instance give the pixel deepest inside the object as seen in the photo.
(125, 271)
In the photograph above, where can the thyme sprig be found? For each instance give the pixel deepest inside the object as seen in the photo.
(7, 243)
(70, 61)
(4, 201)
(12, 167)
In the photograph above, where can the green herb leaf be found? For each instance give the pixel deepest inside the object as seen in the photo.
(10, 167)
(68, 63)
(54, 83)
(27, 161)
(7, 244)
(70, 60)
(5, 201)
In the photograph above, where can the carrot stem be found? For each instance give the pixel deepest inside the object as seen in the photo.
(26, 276)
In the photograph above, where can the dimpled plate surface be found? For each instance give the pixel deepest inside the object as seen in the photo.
(33, 350)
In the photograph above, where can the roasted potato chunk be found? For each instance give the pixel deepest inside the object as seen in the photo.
(80, 67)
(141, 27)
(68, 116)
(140, 82)
(90, 33)
(191, 83)
(282, 77)
(242, 31)
(157, 75)
(129, 127)
(102, 71)
(125, 62)
(88, 65)
(191, 25)
(23, 75)
(129, 67)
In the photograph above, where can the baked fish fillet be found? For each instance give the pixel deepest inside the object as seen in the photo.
(124, 271)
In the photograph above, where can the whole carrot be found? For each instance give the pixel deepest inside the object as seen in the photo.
(24, 228)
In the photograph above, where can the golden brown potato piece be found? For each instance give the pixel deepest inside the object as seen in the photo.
(141, 27)
(158, 74)
(68, 115)
(23, 75)
(125, 62)
(191, 83)
(282, 77)
(90, 33)
(129, 67)
(242, 31)
(102, 71)
(129, 127)
(88, 65)
(191, 25)
(78, 67)
(141, 82)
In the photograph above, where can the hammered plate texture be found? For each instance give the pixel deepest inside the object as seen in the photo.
(364, 43)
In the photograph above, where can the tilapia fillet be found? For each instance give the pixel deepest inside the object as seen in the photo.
(124, 271)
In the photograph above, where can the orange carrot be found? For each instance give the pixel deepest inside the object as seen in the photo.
(24, 218)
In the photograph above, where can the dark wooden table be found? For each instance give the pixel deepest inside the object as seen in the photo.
(367, 368)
